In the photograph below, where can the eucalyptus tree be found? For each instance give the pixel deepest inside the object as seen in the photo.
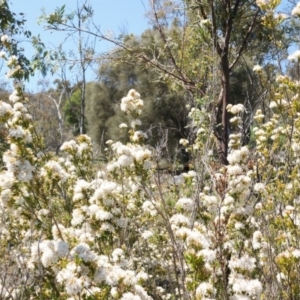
(202, 45)
(73, 64)
(12, 27)
(236, 30)
(165, 112)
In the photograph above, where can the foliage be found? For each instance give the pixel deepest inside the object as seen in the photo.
(45, 120)
(128, 231)
(71, 110)
(79, 61)
(165, 113)
(73, 229)
(13, 25)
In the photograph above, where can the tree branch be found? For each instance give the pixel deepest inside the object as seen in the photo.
(245, 41)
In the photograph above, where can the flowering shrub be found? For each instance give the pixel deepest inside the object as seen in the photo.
(71, 229)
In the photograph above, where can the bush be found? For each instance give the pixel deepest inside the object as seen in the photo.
(73, 230)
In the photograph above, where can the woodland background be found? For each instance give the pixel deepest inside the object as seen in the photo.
(173, 175)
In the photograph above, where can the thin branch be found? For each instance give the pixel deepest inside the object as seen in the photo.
(187, 83)
(163, 37)
(245, 41)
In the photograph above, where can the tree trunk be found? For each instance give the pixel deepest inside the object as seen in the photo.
(222, 124)
(82, 108)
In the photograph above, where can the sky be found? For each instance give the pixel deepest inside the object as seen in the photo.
(111, 15)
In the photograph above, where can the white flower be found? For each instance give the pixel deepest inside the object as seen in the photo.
(184, 142)
(296, 54)
(177, 180)
(61, 248)
(80, 187)
(295, 146)
(239, 226)
(210, 200)
(235, 120)
(130, 296)
(262, 3)
(77, 217)
(12, 61)
(281, 102)
(228, 200)
(135, 123)
(66, 273)
(141, 292)
(280, 276)
(179, 219)
(148, 207)
(103, 215)
(208, 254)
(257, 68)
(17, 132)
(192, 173)
(185, 203)
(281, 16)
(125, 160)
(259, 187)
(106, 188)
(114, 292)
(14, 97)
(134, 94)
(5, 38)
(238, 156)
(242, 285)
(138, 136)
(244, 262)
(197, 238)
(25, 170)
(258, 205)
(141, 154)
(205, 22)
(203, 289)
(256, 239)
(112, 166)
(235, 109)
(48, 257)
(109, 142)
(54, 170)
(296, 253)
(107, 227)
(74, 286)
(12, 72)
(5, 108)
(132, 103)
(6, 179)
(201, 130)
(259, 115)
(296, 10)
(122, 125)
(69, 145)
(117, 254)
(147, 234)
(83, 251)
(120, 149)
(234, 170)
(289, 207)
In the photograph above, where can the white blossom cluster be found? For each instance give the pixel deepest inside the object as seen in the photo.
(125, 230)
(257, 68)
(132, 103)
(129, 155)
(263, 3)
(296, 10)
(235, 109)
